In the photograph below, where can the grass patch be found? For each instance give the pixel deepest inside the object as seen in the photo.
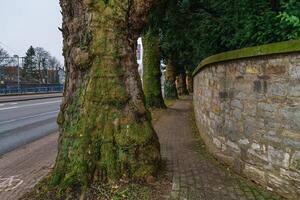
(157, 189)
(170, 102)
(98, 191)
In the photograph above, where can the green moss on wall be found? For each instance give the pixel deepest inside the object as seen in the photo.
(263, 50)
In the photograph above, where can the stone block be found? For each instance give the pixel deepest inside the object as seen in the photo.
(216, 109)
(275, 156)
(294, 72)
(295, 161)
(217, 143)
(286, 160)
(276, 181)
(287, 174)
(230, 131)
(267, 107)
(275, 69)
(257, 158)
(236, 104)
(254, 172)
(257, 86)
(294, 89)
(255, 146)
(291, 118)
(237, 114)
(250, 108)
(278, 88)
(233, 145)
(252, 70)
(250, 127)
(291, 143)
(260, 86)
(271, 137)
(241, 95)
(244, 141)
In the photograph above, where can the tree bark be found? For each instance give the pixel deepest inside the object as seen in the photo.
(170, 91)
(189, 82)
(105, 129)
(182, 86)
(151, 71)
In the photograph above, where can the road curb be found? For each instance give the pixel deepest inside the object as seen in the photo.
(29, 98)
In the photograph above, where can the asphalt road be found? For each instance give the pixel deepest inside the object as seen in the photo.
(22, 122)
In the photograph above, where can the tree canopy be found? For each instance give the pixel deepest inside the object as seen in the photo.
(37, 62)
(194, 29)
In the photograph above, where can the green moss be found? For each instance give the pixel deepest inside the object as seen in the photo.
(103, 136)
(151, 71)
(189, 82)
(170, 90)
(181, 86)
(297, 163)
(263, 50)
(134, 134)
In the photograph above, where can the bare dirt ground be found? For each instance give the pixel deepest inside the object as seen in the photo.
(21, 169)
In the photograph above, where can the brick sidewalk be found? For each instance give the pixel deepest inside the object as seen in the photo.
(26, 166)
(195, 175)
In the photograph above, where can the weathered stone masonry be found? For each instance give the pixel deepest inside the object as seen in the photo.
(247, 108)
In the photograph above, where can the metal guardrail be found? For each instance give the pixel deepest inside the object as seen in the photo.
(31, 90)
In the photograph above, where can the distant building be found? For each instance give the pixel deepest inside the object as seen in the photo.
(8, 73)
(61, 74)
(9, 77)
(50, 76)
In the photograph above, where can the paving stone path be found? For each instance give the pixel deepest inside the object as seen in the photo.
(195, 175)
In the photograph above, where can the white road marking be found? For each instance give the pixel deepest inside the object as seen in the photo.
(12, 104)
(29, 105)
(10, 183)
(28, 117)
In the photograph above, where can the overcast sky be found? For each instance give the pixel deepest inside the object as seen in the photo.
(30, 22)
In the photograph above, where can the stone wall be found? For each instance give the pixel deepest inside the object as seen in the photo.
(248, 113)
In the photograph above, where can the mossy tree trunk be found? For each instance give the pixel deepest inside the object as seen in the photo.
(151, 70)
(189, 82)
(170, 91)
(182, 86)
(105, 129)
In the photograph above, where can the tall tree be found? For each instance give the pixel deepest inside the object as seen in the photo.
(189, 81)
(55, 67)
(170, 91)
(4, 61)
(42, 58)
(152, 70)
(3, 57)
(210, 27)
(105, 129)
(181, 84)
(152, 58)
(29, 71)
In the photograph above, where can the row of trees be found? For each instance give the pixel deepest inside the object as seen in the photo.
(36, 67)
(3, 57)
(38, 64)
(190, 30)
(105, 128)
